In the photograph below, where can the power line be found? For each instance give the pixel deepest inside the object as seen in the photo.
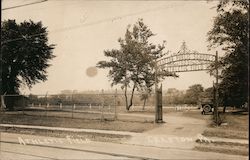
(112, 19)
(23, 5)
(23, 37)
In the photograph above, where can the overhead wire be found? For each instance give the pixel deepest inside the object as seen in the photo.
(41, 1)
(112, 19)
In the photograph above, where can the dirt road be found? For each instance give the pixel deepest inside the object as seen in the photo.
(178, 132)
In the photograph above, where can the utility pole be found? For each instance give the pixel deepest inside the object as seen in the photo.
(216, 89)
(115, 105)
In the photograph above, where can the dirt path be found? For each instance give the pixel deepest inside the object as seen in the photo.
(178, 132)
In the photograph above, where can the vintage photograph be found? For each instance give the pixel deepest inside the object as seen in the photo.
(124, 79)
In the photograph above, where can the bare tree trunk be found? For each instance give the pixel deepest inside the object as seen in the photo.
(3, 106)
(131, 98)
(144, 103)
(126, 98)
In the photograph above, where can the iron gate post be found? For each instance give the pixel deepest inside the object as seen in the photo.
(156, 93)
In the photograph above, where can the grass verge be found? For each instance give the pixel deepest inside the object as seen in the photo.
(235, 127)
(224, 148)
(76, 123)
(62, 134)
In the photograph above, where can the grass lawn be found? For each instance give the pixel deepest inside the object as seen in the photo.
(236, 128)
(222, 148)
(62, 134)
(236, 124)
(67, 122)
(50, 121)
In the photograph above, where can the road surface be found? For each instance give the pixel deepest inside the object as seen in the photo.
(22, 147)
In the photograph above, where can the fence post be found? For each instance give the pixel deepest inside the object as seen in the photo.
(102, 116)
(47, 106)
(115, 105)
(72, 109)
(23, 104)
(46, 99)
(72, 115)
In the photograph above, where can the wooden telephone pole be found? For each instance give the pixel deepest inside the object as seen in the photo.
(216, 115)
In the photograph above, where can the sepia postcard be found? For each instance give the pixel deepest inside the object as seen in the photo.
(124, 79)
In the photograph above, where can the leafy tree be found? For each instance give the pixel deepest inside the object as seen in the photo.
(133, 65)
(25, 55)
(173, 96)
(208, 93)
(230, 31)
(144, 97)
(193, 94)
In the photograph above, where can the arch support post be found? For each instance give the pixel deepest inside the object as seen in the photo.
(156, 93)
(158, 99)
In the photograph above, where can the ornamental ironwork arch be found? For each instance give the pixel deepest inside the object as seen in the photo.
(185, 61)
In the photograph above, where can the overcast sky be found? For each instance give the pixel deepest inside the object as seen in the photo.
(82, 29)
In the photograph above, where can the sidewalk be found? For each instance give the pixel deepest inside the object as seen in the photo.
(71, 129)
(147, 139)
(114, 149)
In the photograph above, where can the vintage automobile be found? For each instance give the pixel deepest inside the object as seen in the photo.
(206, 105)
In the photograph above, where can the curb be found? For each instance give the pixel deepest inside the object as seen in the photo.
(229, 140)
(123, 133)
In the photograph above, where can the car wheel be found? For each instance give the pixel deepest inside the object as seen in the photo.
(207, 108)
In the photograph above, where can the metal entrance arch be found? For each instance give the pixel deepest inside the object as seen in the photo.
(184, 61)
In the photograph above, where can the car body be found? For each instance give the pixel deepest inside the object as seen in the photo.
(206, 105)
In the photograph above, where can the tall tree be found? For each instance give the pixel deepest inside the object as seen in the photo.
(133, 65)
(25, 54)
(173, 96)
(193, 94)
(230, 31)
(144, 96)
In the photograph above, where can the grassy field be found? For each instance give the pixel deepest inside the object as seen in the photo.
(68, 122)
(235, 126)
(224, 148)
(62, 134)
(76, 122)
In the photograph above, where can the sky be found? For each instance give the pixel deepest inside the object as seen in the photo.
(82, 30)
